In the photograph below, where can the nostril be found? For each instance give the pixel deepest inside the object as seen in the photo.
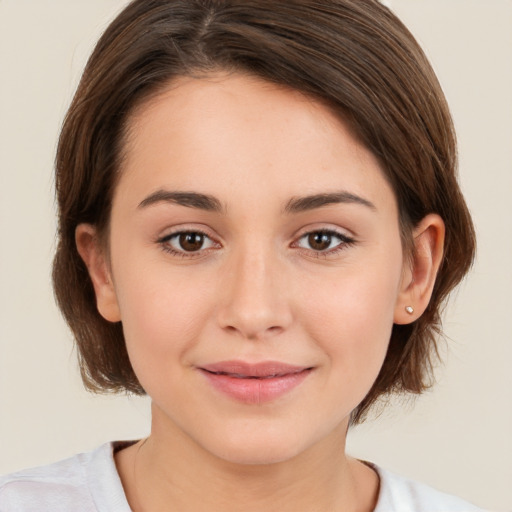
(254, 333)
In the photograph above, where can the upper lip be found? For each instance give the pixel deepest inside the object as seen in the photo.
(261, 369)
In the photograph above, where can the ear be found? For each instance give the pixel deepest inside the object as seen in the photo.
(420, 270)
(93, 254)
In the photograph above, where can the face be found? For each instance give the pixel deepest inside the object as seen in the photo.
(256, 264)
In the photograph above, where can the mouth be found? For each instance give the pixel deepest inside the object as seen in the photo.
(243, 376)
(254, 383)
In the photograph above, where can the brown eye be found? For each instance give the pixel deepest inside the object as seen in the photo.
(184, 242)
(325, 241)
(319, 241)
(191, 241)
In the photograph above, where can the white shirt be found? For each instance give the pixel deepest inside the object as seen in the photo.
(89, 482)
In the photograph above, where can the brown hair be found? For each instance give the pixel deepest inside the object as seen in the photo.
(354, 55)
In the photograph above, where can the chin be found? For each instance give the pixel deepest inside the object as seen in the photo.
(257, 449)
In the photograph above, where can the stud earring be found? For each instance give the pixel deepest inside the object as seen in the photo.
(409, 310)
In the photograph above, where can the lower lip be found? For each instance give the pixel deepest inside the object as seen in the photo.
(256, 391)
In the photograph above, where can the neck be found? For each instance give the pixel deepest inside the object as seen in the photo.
(169, 471)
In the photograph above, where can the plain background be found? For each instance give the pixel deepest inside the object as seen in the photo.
(457, 437)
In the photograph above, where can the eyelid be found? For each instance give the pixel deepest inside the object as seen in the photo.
(186, 228)
(324, 228)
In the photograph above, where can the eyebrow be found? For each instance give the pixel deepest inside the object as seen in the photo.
(190, 199)
(212, 204)
(306, 203)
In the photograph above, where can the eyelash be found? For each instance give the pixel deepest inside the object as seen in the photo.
(344, 242)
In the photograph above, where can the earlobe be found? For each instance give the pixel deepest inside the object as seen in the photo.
(420, 273)
(93, 255)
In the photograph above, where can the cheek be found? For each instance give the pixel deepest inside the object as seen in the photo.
(162, 315)
(351, 319)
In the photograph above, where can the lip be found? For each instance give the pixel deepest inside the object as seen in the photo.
(254, 383)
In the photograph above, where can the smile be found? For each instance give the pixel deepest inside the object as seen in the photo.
(254, 383)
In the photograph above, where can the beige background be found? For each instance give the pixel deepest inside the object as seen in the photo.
(458, 437)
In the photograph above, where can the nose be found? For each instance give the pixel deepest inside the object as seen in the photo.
(254, 302)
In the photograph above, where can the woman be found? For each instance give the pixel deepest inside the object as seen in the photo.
(259, 222)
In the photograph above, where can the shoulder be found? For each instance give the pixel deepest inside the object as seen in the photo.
(85, 482)
(399, 494)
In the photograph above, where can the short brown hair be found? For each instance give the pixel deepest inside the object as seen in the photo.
(353, 55)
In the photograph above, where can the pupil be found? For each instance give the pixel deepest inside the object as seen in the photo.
(191, 241)
(319, 241)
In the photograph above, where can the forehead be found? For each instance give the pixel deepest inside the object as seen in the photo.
(227, 133)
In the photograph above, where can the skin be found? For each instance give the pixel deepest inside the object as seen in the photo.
(257, 290)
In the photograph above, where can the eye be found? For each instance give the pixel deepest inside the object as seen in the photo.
(323, 241)
(187, 242)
